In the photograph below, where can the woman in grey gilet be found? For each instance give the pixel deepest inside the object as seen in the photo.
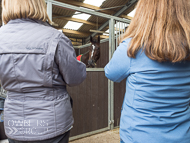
(37, 62)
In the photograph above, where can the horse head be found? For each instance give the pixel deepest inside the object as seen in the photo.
(94, 52)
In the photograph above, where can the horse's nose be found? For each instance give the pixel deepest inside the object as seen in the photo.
(91, 62)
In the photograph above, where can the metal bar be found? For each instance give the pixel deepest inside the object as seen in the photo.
(110, 83)
(127, 6)
(49, 9)
(112, 104)
(87, 45)
(116, 32)
(84, 10)
(116, 127)
(124, 27)
(67, 15)
(119, 30)
(94, 69)
(110, 8)
(88, 134)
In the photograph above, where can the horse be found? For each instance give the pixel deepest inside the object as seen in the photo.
(92, 55)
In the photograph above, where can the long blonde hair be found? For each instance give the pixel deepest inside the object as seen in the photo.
(33, 9)
(162, 29)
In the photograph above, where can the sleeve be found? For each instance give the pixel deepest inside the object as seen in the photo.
(72, 71)
(119, 66)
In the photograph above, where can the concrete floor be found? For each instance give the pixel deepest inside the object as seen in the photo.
(105, 137)
(4, 141)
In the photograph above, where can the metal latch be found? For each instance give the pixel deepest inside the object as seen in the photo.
(111, 122)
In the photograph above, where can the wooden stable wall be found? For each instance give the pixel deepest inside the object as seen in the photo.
(119, 92)
(91, 98)
(2, 131)
(90, 106)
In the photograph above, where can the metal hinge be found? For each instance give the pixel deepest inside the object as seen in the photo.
(111, 122)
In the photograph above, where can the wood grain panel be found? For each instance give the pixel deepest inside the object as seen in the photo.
(90, 104)
(119, 92)
(2, 132)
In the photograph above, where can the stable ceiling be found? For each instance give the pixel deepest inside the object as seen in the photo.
(77, 26)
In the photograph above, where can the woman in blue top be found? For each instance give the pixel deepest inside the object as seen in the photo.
(154, 57)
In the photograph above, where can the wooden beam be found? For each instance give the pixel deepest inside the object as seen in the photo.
(76, 43)
(102, 36)
(126, 16)
(97, 31)
(81, 4)
(76, 40)
(55, 16)
(111, 12)
(55, 24)
(84, 34)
